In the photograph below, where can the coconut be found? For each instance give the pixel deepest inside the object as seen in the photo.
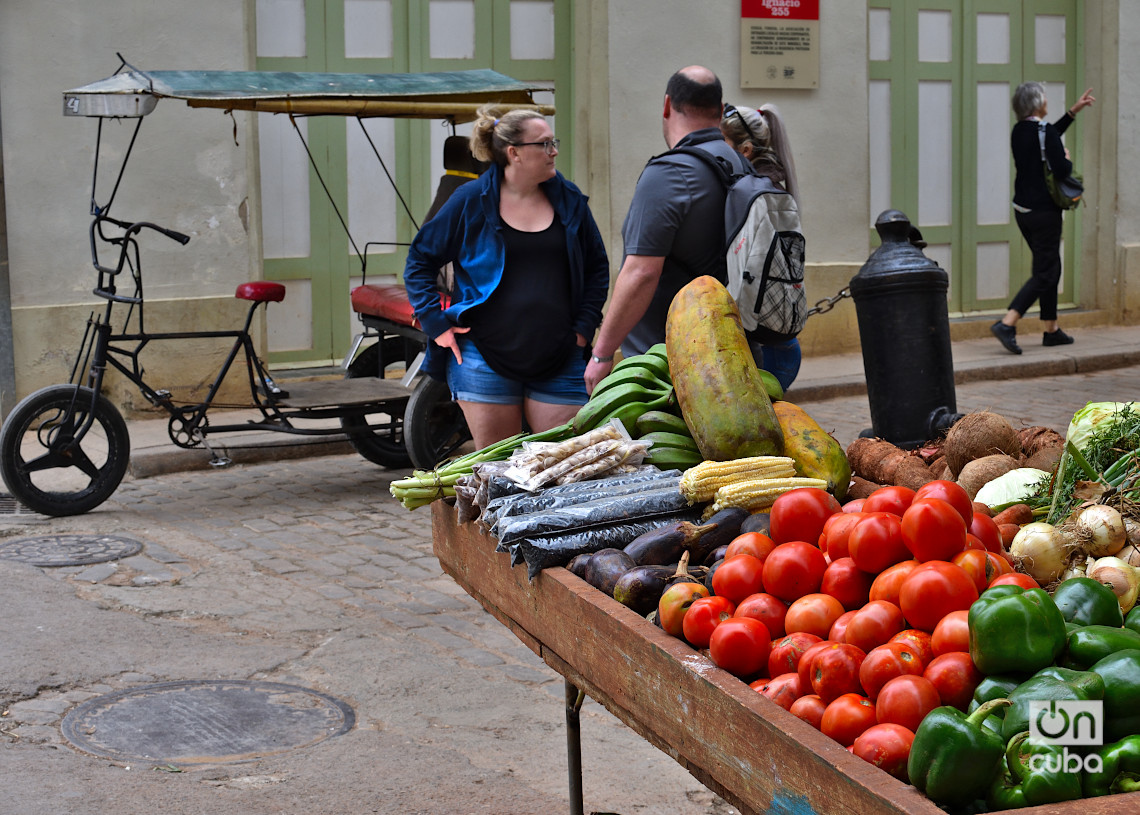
(981, 471)
(940, 470)
(1037, 438)
(977, 435)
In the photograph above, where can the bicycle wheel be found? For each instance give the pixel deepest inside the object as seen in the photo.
(385, 445)
(434, 426)
(46, 468)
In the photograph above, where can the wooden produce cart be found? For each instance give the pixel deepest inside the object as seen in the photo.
(751, 752)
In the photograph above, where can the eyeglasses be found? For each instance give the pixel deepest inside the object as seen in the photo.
(730, 110)
(550, 147)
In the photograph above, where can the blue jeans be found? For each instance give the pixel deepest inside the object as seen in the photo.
(781, 359)
(474, 381)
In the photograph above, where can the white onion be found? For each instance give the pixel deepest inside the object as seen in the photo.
(1040, 551)
(1118, 576)
(1133, 529)
(1102, 527)
(1130, 554)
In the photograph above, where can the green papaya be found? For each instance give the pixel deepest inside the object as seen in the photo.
(816, 453)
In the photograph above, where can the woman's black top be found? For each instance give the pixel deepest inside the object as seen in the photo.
(525, 330)
(1029, 188)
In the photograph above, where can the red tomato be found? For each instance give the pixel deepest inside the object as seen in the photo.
(795, 568)
(933, 530)
(933, 590)
(887, 584)
(705, 614)
(874, 624)
(886, 662)
(813, 613)
(876, 542)
(838, 631)
(977, 564)
(809, 707)
(756, 544)
(906, 700)
(982, 526)
(955, 676)
(889, 499)
(952, 493)
(799, 515)
(783, 689)
(675, 602)
(1001, 562)
(919, 642)
(847, 717)
(846, 582)
(951, 634)
(835, 671)
(854, 505)
(738, 577)
(833, 538)
(973, 542)
(807, 658)
(887, 746)
(1015, 579)
(767, 609)
(740, 645)
(787, 651)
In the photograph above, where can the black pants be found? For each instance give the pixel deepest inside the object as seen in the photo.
(1042, 231)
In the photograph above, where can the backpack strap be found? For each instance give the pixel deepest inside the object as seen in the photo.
(721, 166)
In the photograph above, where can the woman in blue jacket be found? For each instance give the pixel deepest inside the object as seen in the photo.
(531, 276)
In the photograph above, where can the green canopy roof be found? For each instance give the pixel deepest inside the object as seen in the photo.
(454, 95)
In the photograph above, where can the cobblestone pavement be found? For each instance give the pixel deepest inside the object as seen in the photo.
(308, 572)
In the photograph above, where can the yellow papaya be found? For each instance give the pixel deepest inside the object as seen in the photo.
(715, 378)
(816, 453)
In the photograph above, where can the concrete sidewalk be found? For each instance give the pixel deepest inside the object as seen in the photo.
(820, 379)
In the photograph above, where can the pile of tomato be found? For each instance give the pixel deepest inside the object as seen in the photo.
(852, 617)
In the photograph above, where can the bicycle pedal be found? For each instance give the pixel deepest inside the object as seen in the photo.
(270, 390)
(161, 397)
(221, 461)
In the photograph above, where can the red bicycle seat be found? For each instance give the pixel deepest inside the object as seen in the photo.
(261, 291)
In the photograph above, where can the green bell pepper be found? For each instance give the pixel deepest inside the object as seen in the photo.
(1132, 621)
(1085, 601)
(1093, 643)
(1119, 768)
(1015, 630)
(1121, 674)
(1048, 685)
(1035, 774)
(994, 687)
(953, 759)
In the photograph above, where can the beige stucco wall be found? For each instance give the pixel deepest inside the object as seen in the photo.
(186, 172)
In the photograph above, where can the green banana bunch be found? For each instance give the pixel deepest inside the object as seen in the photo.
(668, 458)
(626, 402)
(661, 421)
(648, 370)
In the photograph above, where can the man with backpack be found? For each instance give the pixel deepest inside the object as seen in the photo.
(674, 230)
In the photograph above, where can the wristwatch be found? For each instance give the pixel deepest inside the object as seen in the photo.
(596, 358)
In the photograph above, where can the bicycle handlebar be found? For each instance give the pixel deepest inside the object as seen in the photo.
(126, 239)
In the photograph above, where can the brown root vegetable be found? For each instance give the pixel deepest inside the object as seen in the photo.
(1008, 533)
(1019, 514)
(1037, 438)
(861, 488)
(881, 462)
(1044, 459)
(979, 472)
(977, 435)
(940, 470)
(983, 508)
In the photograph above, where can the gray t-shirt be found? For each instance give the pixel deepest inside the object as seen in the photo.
(677, 213)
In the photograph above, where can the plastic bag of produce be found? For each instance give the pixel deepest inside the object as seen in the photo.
(606, 510)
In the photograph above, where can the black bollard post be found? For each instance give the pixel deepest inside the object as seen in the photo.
(904, 330)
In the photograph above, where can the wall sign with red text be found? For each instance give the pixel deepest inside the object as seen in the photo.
(779, 43)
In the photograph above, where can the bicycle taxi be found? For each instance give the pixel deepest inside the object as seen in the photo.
(65, 448)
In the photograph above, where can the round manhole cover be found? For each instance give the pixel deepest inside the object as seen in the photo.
(205, 722)
(69, 550)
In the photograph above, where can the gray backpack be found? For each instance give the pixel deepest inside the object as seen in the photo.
(764, 251)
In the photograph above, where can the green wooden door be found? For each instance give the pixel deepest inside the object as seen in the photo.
(941, 75)
(312, 237)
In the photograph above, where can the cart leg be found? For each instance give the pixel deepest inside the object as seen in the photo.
(574, 699)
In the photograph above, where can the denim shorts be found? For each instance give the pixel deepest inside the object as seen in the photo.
(474, 381)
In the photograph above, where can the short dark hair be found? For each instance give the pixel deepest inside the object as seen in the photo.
(689, 95)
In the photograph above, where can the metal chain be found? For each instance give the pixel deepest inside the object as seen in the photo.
(827, 304)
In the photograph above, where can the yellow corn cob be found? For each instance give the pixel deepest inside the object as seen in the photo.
(759, 493)
(701, 482)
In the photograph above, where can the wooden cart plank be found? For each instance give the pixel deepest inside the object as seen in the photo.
(739, 744)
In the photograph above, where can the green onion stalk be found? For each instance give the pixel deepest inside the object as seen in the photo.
(1109, 456)
(426, 486)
